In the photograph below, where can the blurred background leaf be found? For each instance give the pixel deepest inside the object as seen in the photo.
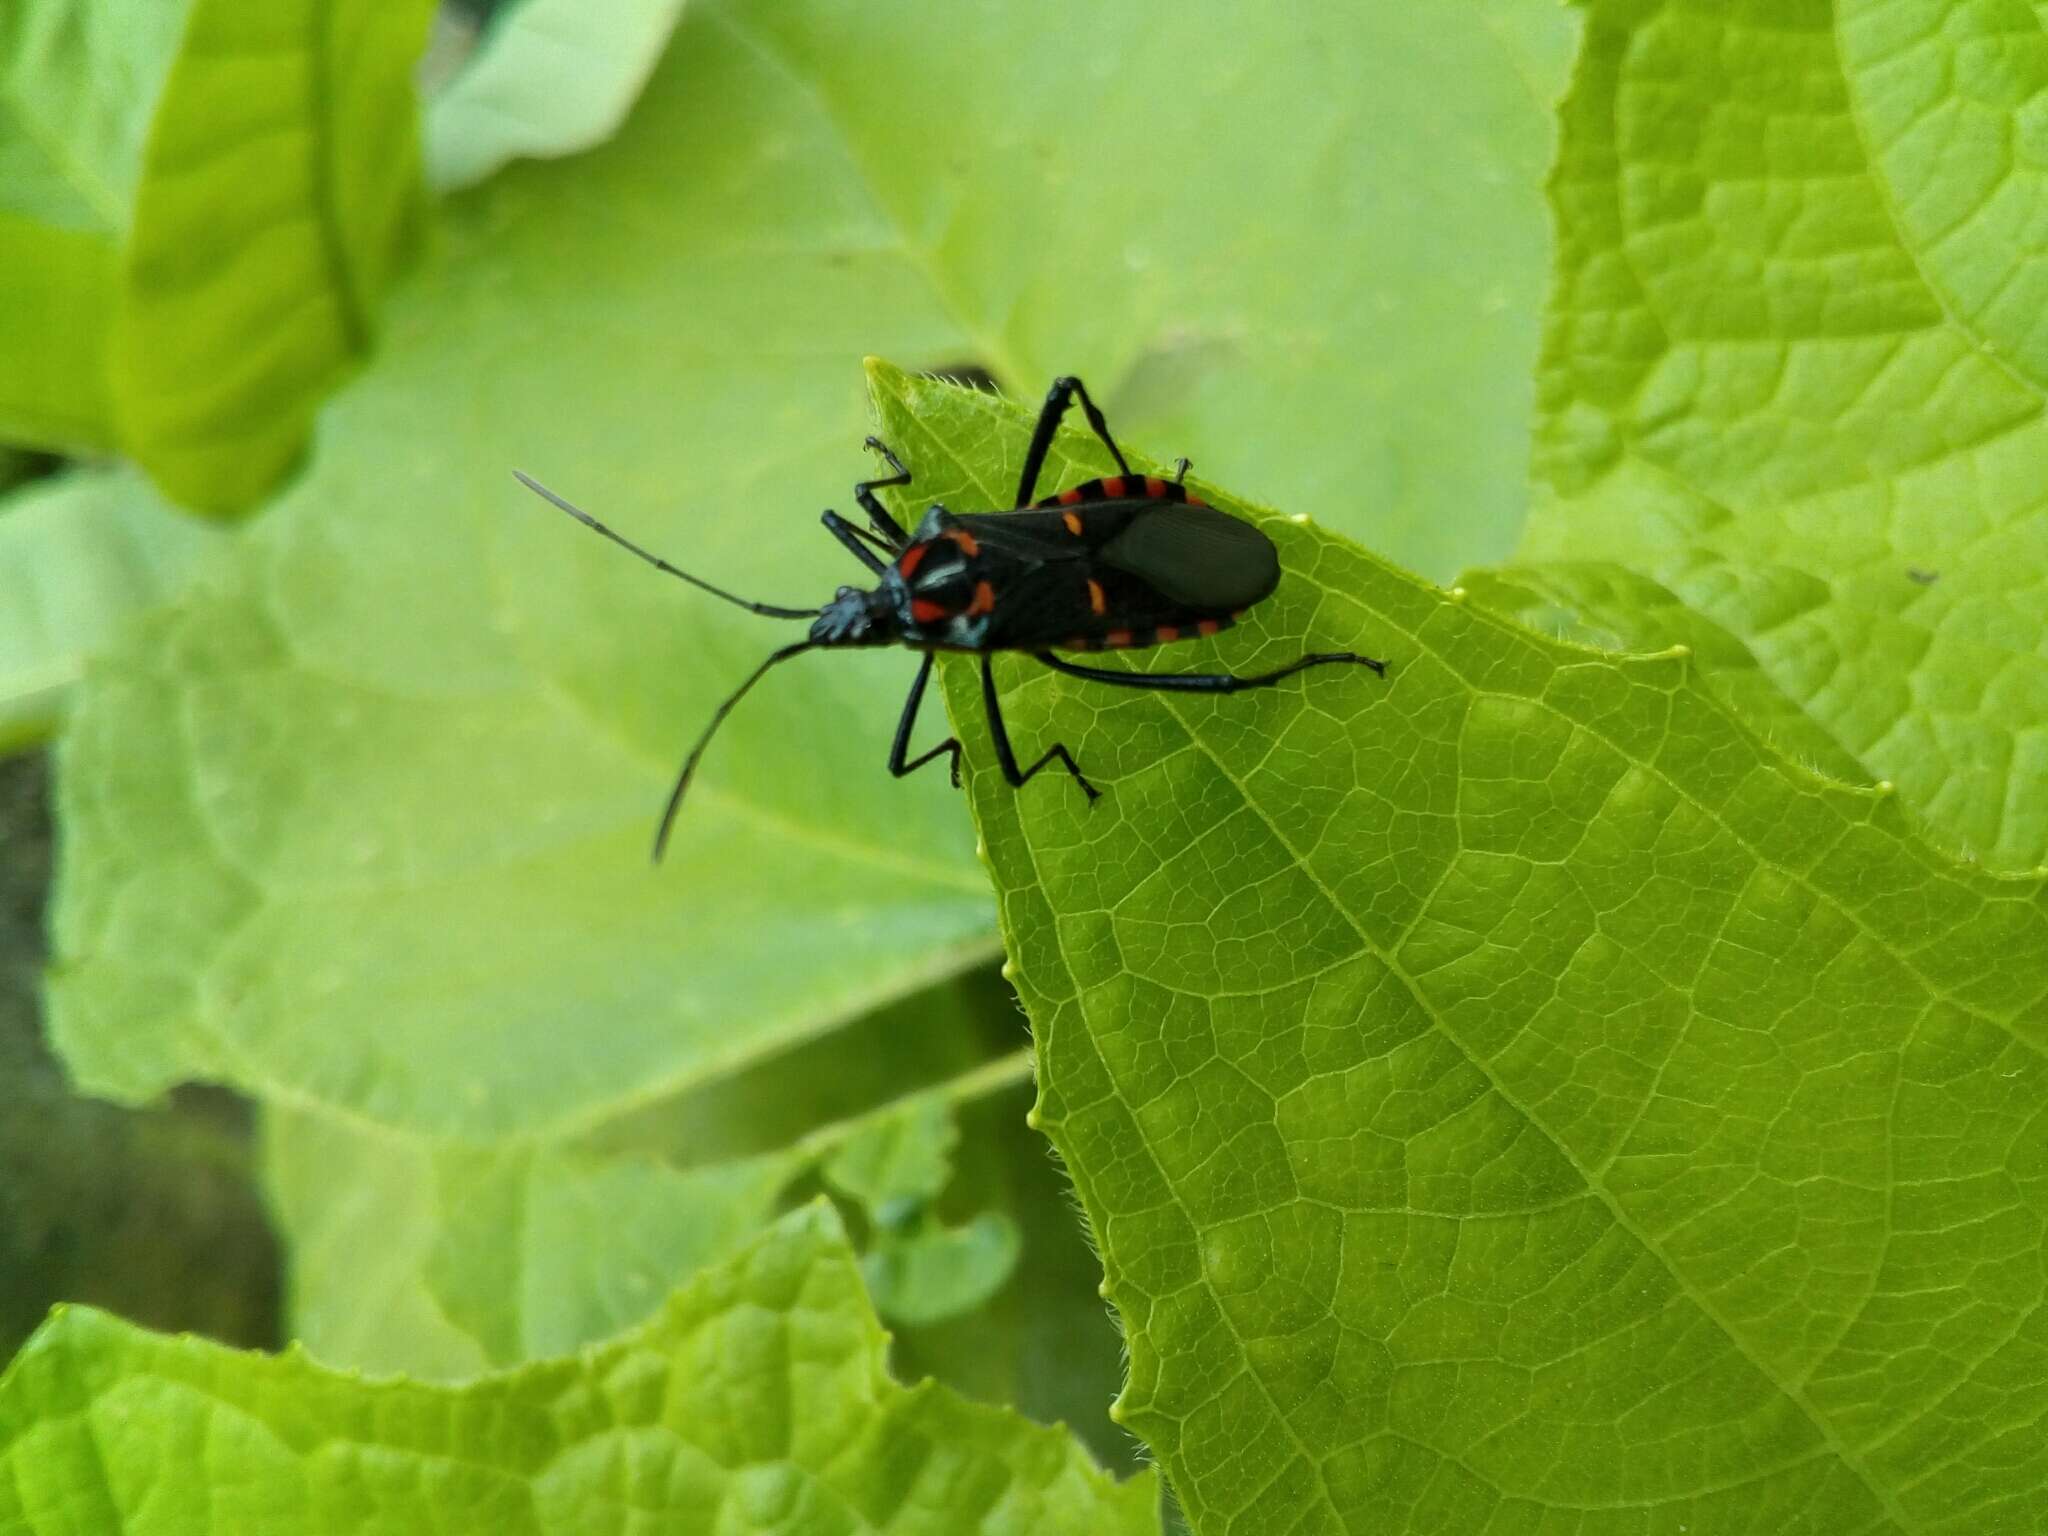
(546, 78)
(81, 553)
(280, 190)
(79, 80)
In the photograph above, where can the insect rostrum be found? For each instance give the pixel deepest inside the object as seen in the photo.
(1112, 564)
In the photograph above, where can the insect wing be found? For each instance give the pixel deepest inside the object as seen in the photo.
(1196, 555)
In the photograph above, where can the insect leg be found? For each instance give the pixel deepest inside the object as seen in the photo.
(1057, 399)
(855, 539)
(1008, 758)
(1204, 682)
(908, 723)
(890, 530)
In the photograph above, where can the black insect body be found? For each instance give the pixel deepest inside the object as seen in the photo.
(1117, 563)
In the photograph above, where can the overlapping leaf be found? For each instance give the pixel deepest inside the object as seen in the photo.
(78, 83)
(80, 555)
(440, 1256)
(1514, 1093)
(1795, 370)
(757, 1401)
(547, 78)
(280, 189)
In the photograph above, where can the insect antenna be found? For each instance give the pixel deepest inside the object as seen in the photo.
(767, 610)
(675, 798)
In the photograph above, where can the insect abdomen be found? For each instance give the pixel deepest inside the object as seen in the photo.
(1137, 639)
(1121, 488)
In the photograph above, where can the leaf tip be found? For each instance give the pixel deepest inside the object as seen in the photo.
(883, 376)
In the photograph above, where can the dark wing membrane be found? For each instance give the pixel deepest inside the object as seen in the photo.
(1199, 556)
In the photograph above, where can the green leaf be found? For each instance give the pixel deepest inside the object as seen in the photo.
(932, 1271)
(1796, 369)
(548, 78)
(1043, 1342)
(918, 1268)
(1615, 609)
(899, 1162)
(280, 189)
(1513, 1094)
(441, 1256)
(80, 555)
(757, 1401)
(78, 82)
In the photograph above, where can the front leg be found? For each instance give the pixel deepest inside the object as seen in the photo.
(908, 723)
(855, 539)
(887, 527)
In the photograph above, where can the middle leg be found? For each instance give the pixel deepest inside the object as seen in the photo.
(1007, 757)
(901, 747)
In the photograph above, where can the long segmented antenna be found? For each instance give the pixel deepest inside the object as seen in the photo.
(766, 610)
(675, 798)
